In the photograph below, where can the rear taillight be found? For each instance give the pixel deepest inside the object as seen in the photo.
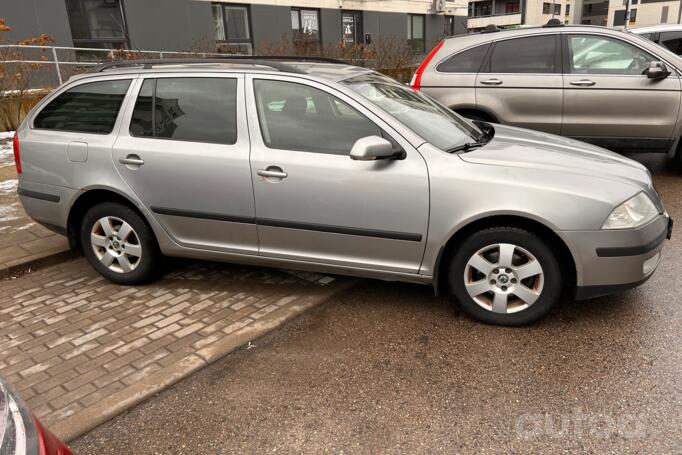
(417, 78)
(17, 158)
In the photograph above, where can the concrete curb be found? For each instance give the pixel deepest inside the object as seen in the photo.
(35, 263)
(71, 427)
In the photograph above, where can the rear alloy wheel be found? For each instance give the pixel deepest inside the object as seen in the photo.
(118, 244)
(505, 276)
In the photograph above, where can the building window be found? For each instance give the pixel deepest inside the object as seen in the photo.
(546, 8)
(512, 7)
(351, 27)
(305, 27)
(449, 29)
(619, 17)
(415, 32)
(557, 9)
(480, 9)
(97, 24)
(232, 28)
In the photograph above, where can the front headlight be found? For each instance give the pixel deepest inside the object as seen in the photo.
(632, 213)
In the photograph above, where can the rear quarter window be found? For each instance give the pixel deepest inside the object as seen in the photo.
(468, 61)
(87, 108)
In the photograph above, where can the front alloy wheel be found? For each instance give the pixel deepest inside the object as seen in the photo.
(505, 275)
(503, 278)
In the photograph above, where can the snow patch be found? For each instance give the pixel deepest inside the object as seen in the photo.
(6, 150)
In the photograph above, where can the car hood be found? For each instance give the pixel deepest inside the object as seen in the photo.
(519, 147)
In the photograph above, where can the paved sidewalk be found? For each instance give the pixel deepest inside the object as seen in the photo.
(79, 349)
(23, 243)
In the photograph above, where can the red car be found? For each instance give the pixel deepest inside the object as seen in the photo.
(20, 432)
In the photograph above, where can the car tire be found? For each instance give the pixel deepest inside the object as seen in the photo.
(119, 244)
(505, 276)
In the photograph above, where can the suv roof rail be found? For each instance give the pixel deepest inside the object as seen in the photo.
(554, 22)
(490, 28)
(270, 61)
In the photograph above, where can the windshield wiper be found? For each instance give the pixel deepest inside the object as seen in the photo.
(466, 147)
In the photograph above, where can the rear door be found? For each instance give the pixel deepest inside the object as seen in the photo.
(521, 83)
(609, 101)
(452, 79)
(184, 151)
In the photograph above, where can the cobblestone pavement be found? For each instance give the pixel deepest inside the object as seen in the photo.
(70, 340)
(22, 241)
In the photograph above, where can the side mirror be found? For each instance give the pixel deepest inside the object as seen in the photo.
(657, 70)
(372, 148)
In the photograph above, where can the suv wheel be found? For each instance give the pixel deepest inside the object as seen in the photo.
(118, 244)
(505, 276)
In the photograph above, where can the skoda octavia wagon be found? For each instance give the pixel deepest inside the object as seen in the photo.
(325, 166)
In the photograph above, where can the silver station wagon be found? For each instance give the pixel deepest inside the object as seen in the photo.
(324, 166)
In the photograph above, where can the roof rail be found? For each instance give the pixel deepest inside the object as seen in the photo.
(269, 61)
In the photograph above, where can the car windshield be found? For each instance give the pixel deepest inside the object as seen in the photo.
(433, 122)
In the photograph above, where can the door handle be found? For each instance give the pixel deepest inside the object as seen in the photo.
(492, 82)
(272, 172)
(583, 83)
(133, 160)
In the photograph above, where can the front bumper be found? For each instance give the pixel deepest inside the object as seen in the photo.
(610, 261)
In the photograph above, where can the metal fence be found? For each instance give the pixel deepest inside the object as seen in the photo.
(62, 62)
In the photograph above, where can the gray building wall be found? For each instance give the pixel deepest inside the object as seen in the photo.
(188, 24)
(29, 18)
(385, 24)
(330, 26)
(269, 24)
(168, 24)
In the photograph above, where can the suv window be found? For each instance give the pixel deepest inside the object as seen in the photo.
(590, 54)
(673, 41)
(532, 54)
(468, 61)
(86, 108)
(299, 117)
(196, 109)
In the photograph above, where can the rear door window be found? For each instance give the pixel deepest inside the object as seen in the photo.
(468, 61)
(532, 54)
(87, 108)
(196, 109)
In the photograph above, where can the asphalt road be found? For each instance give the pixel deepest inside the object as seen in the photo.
(386, 367)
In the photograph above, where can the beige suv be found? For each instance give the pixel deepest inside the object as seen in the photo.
(608, 87)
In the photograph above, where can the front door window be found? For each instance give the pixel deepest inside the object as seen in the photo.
(591, 54)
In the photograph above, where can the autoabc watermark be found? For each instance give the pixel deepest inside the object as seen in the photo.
(579, 423)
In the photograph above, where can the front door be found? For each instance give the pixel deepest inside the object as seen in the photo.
(313, 202)
(521, 84)
(184, 151)
(609, 101)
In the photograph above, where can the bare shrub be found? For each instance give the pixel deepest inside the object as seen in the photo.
(388, 54)
(17, 78)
